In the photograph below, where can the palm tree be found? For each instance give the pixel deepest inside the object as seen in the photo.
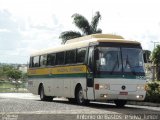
(156, 60)
(82, 23)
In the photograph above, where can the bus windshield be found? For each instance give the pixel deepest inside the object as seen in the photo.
(118, 60)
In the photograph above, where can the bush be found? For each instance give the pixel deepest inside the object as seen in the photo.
(153, 92)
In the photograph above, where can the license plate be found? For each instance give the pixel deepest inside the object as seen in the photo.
(123, 93)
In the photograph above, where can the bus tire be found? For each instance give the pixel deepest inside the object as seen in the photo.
(120, 103)
(72, 100)
(79, 96)
(43, 97)
(49, 98)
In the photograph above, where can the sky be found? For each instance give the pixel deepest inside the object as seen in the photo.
(31, 25)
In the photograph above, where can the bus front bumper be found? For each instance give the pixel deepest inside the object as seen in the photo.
(116, 95)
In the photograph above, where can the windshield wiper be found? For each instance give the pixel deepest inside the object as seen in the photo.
(128, 63)
(116, 63)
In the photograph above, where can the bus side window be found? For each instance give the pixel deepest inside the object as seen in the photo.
(36, 61)
(90, 58)
(43, 60)
(81, 53)
(60, 58)
(51, 59)
(31, 62)
(70, 57)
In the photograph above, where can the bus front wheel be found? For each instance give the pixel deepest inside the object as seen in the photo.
(71, 100)
(79, 96)
(43, 97)
(120, 103)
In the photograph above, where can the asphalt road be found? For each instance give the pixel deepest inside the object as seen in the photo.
(26, 106)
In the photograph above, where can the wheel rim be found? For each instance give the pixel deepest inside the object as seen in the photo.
(42, 94)
(81, 97)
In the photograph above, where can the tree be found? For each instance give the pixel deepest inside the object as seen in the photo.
(156, 60)
(8, 71)
(4, 70)
(146, 55)
(14, 74)
(82, 23)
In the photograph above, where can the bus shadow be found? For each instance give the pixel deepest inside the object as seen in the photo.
(104, 107)
(111, 107)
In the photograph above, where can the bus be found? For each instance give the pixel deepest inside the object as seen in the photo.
(98, 67)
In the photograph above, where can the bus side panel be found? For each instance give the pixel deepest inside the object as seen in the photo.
(49, 86)
(58, 87)
(33, 85)
(58, 81)
(61, 87)
(67, 87)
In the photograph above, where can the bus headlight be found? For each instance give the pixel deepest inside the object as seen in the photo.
(140, 87)
(104, 86)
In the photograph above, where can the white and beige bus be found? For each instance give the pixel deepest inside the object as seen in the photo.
(98, 67)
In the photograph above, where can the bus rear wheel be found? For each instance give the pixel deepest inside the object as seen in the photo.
(120, 103)
(43, 97)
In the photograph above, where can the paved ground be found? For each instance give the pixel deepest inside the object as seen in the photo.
(26, 106)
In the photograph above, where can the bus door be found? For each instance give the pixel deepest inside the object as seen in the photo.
(90, 74)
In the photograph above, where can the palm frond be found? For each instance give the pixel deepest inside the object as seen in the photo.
(82, 23)
(69, 35)
(95, 21)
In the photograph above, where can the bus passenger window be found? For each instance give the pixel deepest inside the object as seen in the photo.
(60, 58)
(51, 59)
(43, 60)
(70, 57)
(81, 53)
(36, 61)
(31, 62)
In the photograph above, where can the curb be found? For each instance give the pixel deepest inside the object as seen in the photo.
(143, 103)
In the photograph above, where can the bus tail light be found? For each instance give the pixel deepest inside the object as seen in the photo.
(102, 86)
(96, 86)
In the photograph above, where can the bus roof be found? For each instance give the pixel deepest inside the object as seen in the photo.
(85, 41)
(96, 36)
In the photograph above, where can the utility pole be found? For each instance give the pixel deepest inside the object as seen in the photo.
(154, 42)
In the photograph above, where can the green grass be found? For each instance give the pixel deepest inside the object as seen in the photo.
(6, 87)
(7, 90)
(23, 90)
